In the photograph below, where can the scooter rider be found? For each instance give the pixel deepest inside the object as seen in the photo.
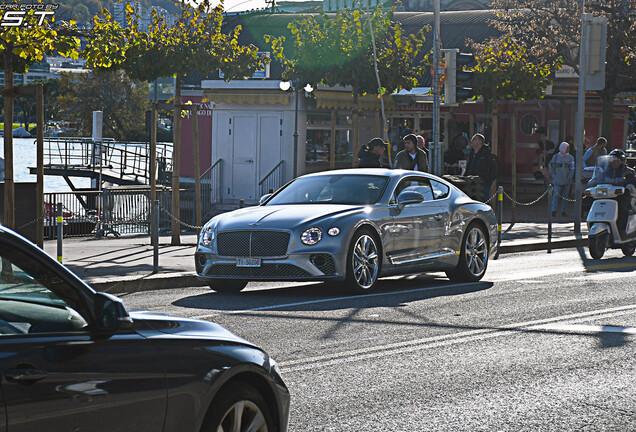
(618, 170)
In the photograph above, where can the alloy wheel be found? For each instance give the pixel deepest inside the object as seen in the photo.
(476, 252)
(365, 261)
(243, 416)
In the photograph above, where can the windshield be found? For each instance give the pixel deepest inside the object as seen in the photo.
(607, 170)
(332, 189)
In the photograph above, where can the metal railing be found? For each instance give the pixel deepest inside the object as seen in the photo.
(273, 180)
(211, 188)
(127, 161)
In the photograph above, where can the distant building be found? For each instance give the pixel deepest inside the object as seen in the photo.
(49, 68)
(407, 5)
(146, 18)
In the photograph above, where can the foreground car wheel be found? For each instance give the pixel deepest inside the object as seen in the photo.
(239, 408)
(473, 258)
(227, 286)
(363, 262)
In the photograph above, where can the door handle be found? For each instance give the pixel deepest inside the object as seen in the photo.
(438, 217)
(25, 375)
(249, 161)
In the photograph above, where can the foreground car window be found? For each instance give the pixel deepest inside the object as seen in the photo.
(332, 189)
(28, 306)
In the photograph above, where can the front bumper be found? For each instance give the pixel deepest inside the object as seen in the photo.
(304, 266)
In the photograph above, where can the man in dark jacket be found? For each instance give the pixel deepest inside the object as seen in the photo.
(412, 157)
(482, 163)
(370, 154)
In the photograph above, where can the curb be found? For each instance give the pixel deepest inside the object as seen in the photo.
(556, 244)
(126, 285)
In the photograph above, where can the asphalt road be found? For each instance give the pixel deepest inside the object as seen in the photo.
(546, 342)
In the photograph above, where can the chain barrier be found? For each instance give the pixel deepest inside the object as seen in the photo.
(170, 215)
(525, 204)
(562, 197)
(41, 218)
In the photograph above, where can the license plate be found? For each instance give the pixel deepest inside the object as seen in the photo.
(248, 262)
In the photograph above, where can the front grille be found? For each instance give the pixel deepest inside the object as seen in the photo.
(266, 271)
(253, 243)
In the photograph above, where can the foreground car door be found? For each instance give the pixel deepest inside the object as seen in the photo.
(57, 375)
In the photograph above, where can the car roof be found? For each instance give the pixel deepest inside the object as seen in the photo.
(367, 171)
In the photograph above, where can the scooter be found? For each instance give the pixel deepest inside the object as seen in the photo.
(601, 220)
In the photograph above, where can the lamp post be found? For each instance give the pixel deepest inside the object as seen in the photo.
(293, 86)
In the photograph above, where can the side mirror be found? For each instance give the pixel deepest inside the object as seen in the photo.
(409, 197)
(264, 198)
(110, 313)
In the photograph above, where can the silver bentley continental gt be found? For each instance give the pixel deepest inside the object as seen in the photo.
(352, 226)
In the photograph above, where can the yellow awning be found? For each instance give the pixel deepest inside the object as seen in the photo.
(344, 100)
(248, 97)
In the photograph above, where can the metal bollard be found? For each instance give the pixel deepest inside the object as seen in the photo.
(550, 192)
(60, 231)
(499, 218)
(155, 237)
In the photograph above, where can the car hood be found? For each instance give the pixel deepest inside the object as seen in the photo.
(186, 327)
(283, 216)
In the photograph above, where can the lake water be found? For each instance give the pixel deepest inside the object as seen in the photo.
(24, 156)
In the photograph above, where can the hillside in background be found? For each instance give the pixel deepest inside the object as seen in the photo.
(85, 10)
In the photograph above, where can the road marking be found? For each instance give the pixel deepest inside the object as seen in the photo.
(585, 328)
(337, 299)
(536, 273)
(604, 276)
(437, 341)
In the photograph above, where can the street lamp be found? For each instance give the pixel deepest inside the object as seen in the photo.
(293, 85)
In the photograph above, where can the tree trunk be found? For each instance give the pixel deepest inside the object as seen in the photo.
(176, 161)
(9, 190)
(607, 117)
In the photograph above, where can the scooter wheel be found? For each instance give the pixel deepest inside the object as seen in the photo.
(628, 249)
(597, 245)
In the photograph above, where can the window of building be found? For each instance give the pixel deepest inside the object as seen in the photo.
(318, 147)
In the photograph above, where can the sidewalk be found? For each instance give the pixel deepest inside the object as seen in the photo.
(125, 264)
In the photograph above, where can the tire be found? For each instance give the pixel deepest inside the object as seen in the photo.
(628, 249)
(239, 407)
(363, 262)
(473, 256)
(597, 245)
(225, 286)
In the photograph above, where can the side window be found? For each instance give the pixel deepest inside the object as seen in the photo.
(27, 306)
(440, 190)
(420, 185)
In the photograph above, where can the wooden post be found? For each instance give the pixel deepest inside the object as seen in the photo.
(356, 136)
(495, 137)
(197, 170)
(176, 162)
(39, 203)
(9, 188)
(332, 148)
(154, 226)
(513, 132)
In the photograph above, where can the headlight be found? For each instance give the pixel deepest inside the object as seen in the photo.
(311, 236)
(207, 235)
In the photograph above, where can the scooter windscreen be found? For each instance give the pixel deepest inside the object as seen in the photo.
(607, 171)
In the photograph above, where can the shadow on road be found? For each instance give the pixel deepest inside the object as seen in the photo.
(331, 296)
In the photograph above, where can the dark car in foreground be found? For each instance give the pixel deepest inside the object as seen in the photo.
(351, 225)
(72, 359)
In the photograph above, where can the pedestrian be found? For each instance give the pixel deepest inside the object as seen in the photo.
(562, 172)
(570, 140)
(421, 143)
(412, 157)
(589, 157)
(369, 155)
(482, 163)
